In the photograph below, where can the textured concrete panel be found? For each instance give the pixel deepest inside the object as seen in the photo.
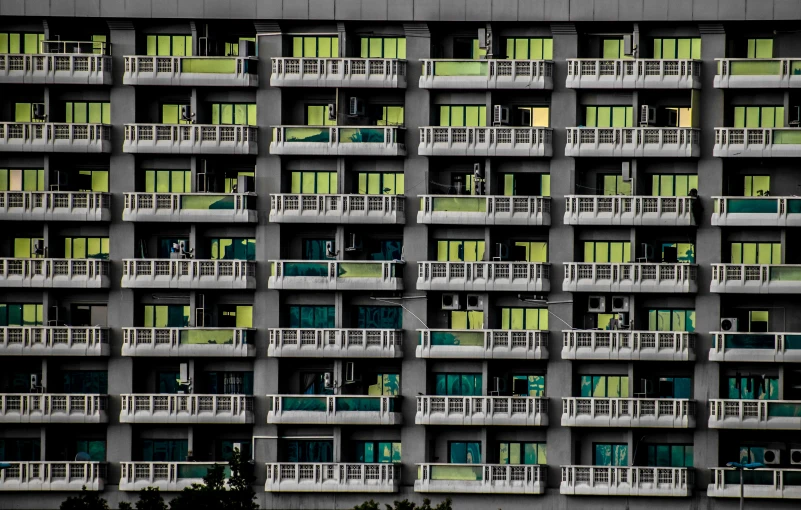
(531, 10)
(215, 8)
(581, 10)
(556, 10)
(654, 10)
(759, 9)
(452, 10)
(245, 9)
(786, 9)
(171, 9)
(680, 9)
(269, 9)
(140, 8)
(12, 8)
(608, 10)
(37, 8)
(504, 10)
(112, 8)
(400, 9)
(630, 9)
(348, 9)
(478, 10)
(322, 9)
(299, 9)
(426, 10)
(375, 9)
(186, 8)
(704, 11)
(63, 8)
(87, 8)
(732, 9)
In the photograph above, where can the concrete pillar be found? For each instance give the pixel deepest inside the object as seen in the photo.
(339, 310)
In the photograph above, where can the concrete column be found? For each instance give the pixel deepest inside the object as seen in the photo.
(337, 436)
(43, 442)
(43, 381)
(339, 310)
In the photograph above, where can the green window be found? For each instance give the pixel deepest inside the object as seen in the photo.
(528, 385)
(760, 48)
(613, 48)
(240, 315)
(85, 381)
(536, 48)
(383, 47)
(310, 46)
(674, 387)
(679, 117)
(685, 252)
(168, 181)
(756, 253)
(671, 320)
(470, 319)
(232, 48)
(374, 183)
(239, 248)
(605, 386)
(99, 46)
(756, 186)
(23, 112)
(166, 316)
(455, 251)
(464, 48)
(534, 116)
(391, 116)
(92, 113)
(25, 247)
(607, 251)
(615, 185)
(319, 249)
(536, 251)
(758, 116)
(526, 184)
(314, 183)
(93, 180)
(164, 450)
(670, 455)
(750, 454)
(461, 452)
(758, 321)
(608, 116)
(22, 180)
(753, 387)
(240, 114)
(312, 317)
(169, 45)
(317, 115)
(672, 185)
(16, 43)
(28, 314)
(459, 116)
(524, 318)
(387, 385)
(86, 248)
(522, 453)
(383, 452)
(171, 114)
(20, 450)
(458, 384)
(381, 317)
(231, 183)
(309, 451)
(683, 47)
(610, 454)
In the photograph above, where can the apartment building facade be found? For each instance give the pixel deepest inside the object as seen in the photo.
(511, 253)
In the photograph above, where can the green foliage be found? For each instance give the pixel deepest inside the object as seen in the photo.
(150, 499)
(124, 505)
(367, 505)
(86, 501)
(405, 505)
(212, 493)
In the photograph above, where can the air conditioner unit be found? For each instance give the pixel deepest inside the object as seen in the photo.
(795, 456)
(500, 115)
(772, 456)
(620, 303)
(332, 111)
(482, 38)
(450, 301)
(350, 372)
(356, 107)
(354, 243)
(596, 304)
(475, 302)
(647, 115)
(728, 324)
(628, 44)
(328, 380)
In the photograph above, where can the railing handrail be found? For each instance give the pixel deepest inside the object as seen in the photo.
(307, 395)
(181, 57)
(285, 126)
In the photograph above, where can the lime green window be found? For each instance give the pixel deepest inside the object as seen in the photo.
(23, 112)
(685, 252)
(756, 253)
(375, 183)
(462, 115)
(166, 316)
(671, 320)
(476, 52)
(758, 116)
(314, 183)
(760, 48)
(16, 43)
(385, 385)
(534, 48)
(607, 251)
(522, 453)
(519, 319)
(615, 185)
(240, 248)
(605, 386)
(171, 114)
(391, 116)
(242, 314)
(310, 46)
(169, 45)
(455, 251)
(683, 47)
(25, 247)
(232, 48)
(93, 113)
(22, 180)
(536, 251)
(758, 321)
(608, 116)
(756, 186)
(168, 181)
(535, 116)
(318, 115)
(613, 48)
(383, 47)
(99, 46)
(673, 185)
(527, 185)
(232, 182)
(241, 114)
(470, 319)
(14, 314)
(86, 248)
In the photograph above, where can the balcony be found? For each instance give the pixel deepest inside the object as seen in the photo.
(528, 142)
(365, 73)
(53, 408)
(52, 137)
(759, 347)
(627, 481)
(763, 483)
(371, 141)
(757, 143)
(333, 410)
(191, 207)
(54, 206)
(484, 276)
(756, 278)
(335, 343)
(480, 479)
(484, 210)
(631, 74)
(338, 209)
(332, 477)
(763, 73)
(53, 476)
(628, 345)
(608, 210)
(189, 342)
(190, 139)
(630, 277)
(54, 273)
(55, 69)
(482, 411)
(482, 344)
(54, 341)
(165, 476)
(757, 212)
(191, 71)
(188, 274)
(755, 414)
(491, 74)
(643, 142)
(335, 275)
(190, 409)
(667, 413)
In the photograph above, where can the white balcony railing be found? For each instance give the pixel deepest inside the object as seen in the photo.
(630, 277)
(188, 274)
(332, 477)
(338, 72)
(53, 476)
(53, 408)
(486, 141)
(334, 410)
(67, 69)
(335, 343)
(164, 476)
(54, 137)
(759, 347)
(482, 344)
(190, 139)
(335, 275)
(194, 71)
(196, 342)
(628, 210)
(338, 141)
(671, 413)
(640, 73)
(191, 207)
(518, 411)
(761, 73)
(756, 278)
(480, 478)
(627, 481)
(628, 345)
(54, 273)
(757, 143)
(634, 142)
(484, 210)
(484, 276)
(763, 483)
(54, 341)
(755, 414)
(55, 206)
(338, 209)
(768, 211)
(486, 74)
(152, 408)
